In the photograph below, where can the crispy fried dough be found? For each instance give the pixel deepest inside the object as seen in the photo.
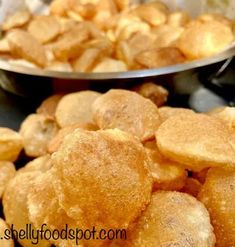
(218, 195)
(127, 111)
(197, 141)
(10, 145)
(109, 171)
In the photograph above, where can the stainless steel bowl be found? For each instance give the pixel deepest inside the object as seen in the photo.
(40, 6)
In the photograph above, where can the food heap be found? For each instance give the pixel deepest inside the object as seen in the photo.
(122, 160)
(111, 36)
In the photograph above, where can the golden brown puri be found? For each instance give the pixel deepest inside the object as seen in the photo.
(178, 19)
(215, 17)
(7, 172)
(139, 35)
(152, 13)
(3, 228)
(110, 65)
(44, 28)
(225, 114)
(167, 175)
(37, 130)
(196, 141)
(87, 60)
(127, 111)
(154, 92)
(24, 45)
(40, 164)
(15, 204)
(204, 39)
(75, 108)
(166, 35)
(108, 169)
(160, 57)
(218, 195)
(10, 145)
(44, 208)
(18, 19)
(55, 143)
(43, 204)
(192, 187)
(70, 44)
(4, 46)
(167, 112)
(49, 105)
(59, 7)
(173, 219)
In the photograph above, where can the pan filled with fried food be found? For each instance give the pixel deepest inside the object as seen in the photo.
(108, 39)
(122, 159)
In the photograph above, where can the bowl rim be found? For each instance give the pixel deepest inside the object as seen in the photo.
(145, 73)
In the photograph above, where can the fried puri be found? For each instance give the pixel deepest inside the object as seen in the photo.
(44, 208)
(154, 92)
(160, 57)
(3, 228)
(173, 219)
(44, 28)
(204, 39)
(10, 145)
(225, 114)
(108, 169)
(7, 172)
(197, 141)
(110, 65)
(55, 143)
(167, 112)
(49, 105)
(166, 175)
(75, 108)
(43, 204)
(218, 195)
(25, 46)
(127, 111)
(18, 19)
(37, 130)
(40, 164)
(70, 44)
(15, 204)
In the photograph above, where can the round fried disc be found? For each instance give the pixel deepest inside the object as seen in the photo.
(218, 195)
(15, 205)
(127, 111)
(75, 108)
(10, 145)
(196, 141)
(108, 170)
(173, 219)
(37, 130)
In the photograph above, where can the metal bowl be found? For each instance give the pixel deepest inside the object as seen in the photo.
(40, 6)
(5, 65)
